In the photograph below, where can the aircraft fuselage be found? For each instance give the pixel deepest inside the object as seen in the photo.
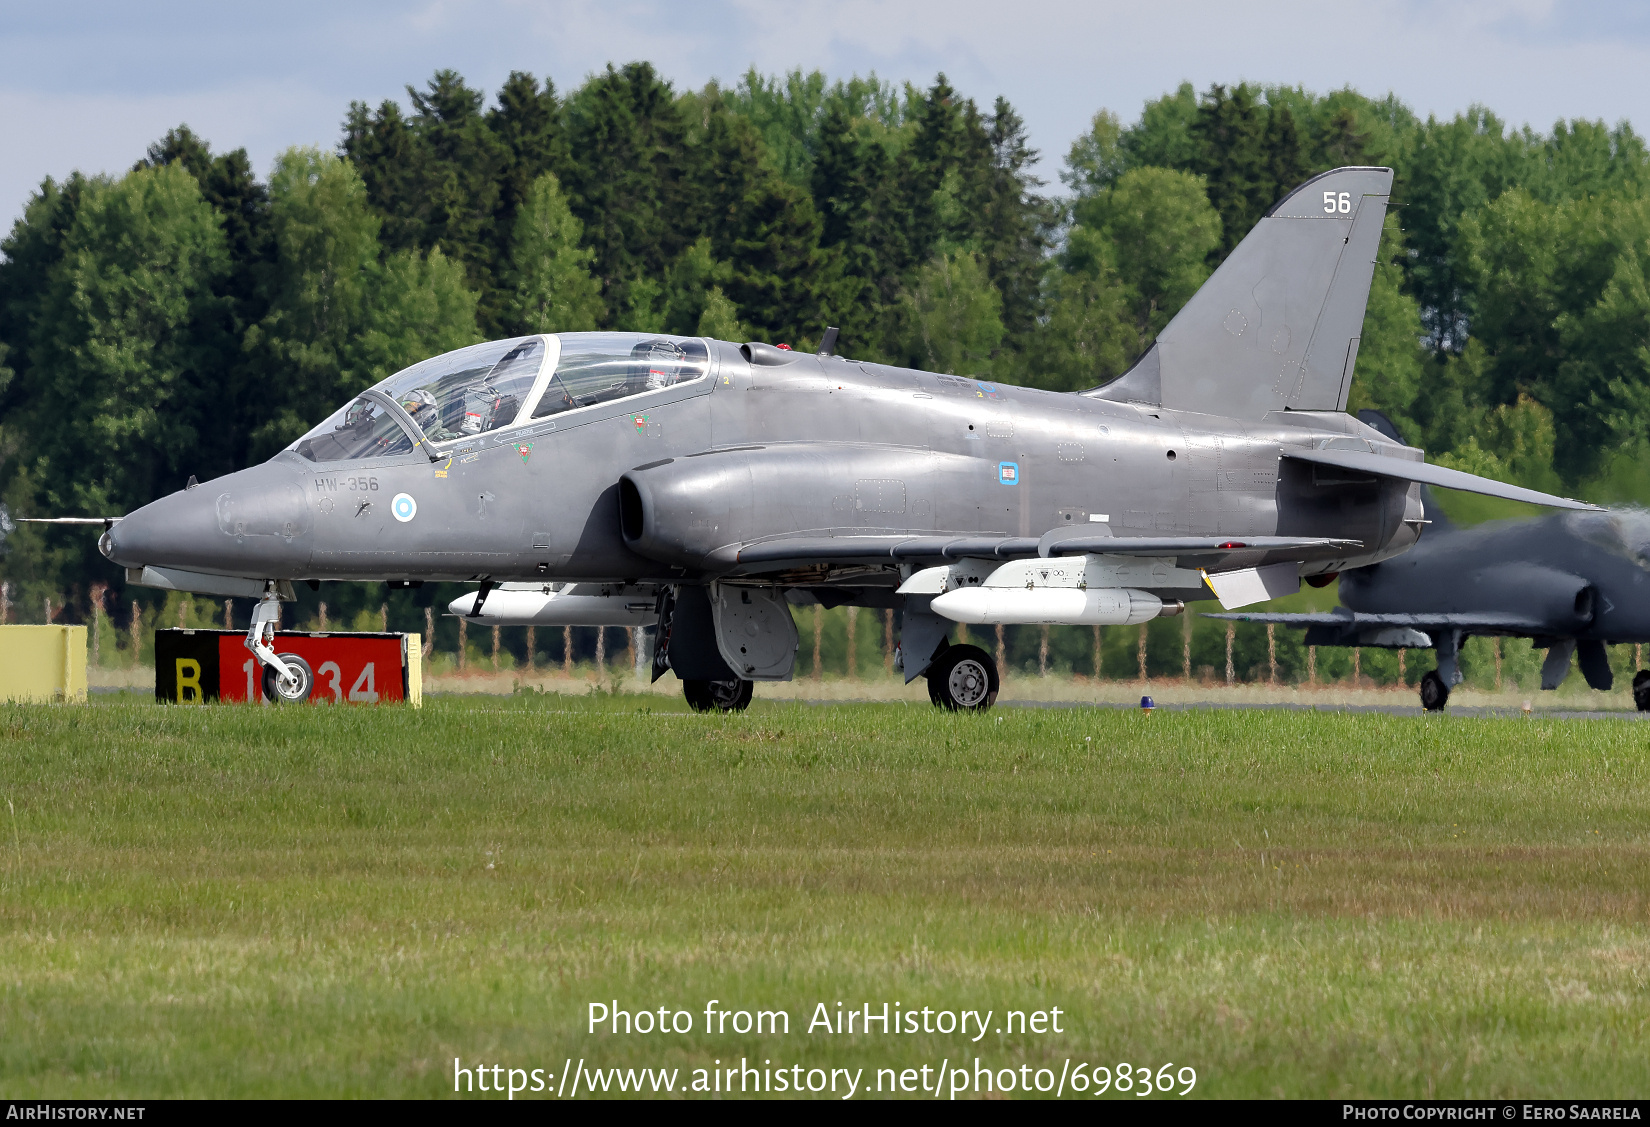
(814, 444)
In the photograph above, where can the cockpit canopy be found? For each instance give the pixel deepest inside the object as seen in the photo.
(500, 384)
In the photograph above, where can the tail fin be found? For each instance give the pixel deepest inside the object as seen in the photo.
(1277, 325)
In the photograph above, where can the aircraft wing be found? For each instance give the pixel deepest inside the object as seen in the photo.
(1476, 623)
(808, 548)
(1064, 543)
(1361, 461)
(805, 548)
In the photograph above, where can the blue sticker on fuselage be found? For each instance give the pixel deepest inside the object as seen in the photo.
(1008, 473)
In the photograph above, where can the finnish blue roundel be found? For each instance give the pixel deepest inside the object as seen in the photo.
(404, 508)
(1008, 473)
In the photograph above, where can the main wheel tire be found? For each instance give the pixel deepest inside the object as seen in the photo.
(1434, 693)
(718, 696)
(963, 679)
(1641, 690)
(276, 693)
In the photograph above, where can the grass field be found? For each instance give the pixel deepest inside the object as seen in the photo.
(216, 901)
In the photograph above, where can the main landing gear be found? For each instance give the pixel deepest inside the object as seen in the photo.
(1435, 685)
(1641, 690)
(1434, 693)
(963, 679)
(287, 678)
(718, 696)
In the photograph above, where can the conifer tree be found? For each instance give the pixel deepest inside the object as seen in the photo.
(464, 178)
(1230, 132)
(929, 206)
(437, 178)
(1343, 141)
(775, 264)
(859, 226)
(1014, 225)
(629, 181)
(393, 164)
(1286, 169)
(528, 122)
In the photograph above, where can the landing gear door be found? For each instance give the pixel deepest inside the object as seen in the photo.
(754, 631)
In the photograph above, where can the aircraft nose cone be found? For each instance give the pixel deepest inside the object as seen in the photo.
(256, 523)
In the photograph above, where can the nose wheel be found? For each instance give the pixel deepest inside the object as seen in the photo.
(294, 688)
(286, 677)
(718, 696)
(963, 679)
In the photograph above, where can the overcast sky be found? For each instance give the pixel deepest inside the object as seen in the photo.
(89, 85)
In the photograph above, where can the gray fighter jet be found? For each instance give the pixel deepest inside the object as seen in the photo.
(1572, 583)
(703, 488)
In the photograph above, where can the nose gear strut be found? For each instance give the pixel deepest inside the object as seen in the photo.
(261, 633)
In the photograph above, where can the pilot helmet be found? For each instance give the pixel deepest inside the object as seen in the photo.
(418, 401)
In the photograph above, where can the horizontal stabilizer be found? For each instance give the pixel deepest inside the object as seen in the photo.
(1359, 461)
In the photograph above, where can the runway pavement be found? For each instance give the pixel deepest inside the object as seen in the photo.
(1389, 709)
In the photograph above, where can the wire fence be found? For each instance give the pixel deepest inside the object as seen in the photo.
(852, 643)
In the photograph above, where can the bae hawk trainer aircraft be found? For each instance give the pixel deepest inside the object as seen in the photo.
(705, 488)
(1572, 583)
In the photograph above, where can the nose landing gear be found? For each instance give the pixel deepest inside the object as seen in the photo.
(287, 678)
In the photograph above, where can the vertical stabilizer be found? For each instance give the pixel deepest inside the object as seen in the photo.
(1278, 324)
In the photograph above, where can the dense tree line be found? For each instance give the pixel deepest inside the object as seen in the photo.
(188, 318)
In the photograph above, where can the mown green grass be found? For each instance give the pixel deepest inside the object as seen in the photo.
(220, 901)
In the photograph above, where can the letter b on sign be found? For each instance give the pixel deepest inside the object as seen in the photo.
(189, 681)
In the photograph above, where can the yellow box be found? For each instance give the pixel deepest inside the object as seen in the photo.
(43, 663)
(413, 655)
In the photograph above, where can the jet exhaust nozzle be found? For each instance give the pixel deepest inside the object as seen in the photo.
(1052, 606)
